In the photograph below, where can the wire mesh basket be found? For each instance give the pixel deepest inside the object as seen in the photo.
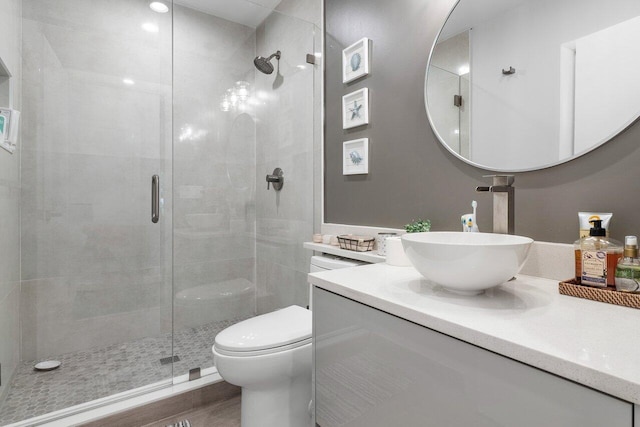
(356, 243)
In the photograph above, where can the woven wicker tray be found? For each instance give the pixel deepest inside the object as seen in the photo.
(571, 288)
(356, 243)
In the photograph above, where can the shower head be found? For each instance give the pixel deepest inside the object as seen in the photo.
(264, 64)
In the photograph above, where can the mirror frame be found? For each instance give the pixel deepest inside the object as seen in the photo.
(492, 168)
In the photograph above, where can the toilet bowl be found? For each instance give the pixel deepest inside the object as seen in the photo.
(269, 357)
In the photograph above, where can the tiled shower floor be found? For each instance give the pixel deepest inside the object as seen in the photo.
(101, 372)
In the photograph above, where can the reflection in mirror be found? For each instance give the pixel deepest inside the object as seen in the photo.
(515, 86)
(448, 92)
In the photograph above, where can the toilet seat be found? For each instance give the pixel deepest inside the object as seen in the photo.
(269, 333)
(232, 353)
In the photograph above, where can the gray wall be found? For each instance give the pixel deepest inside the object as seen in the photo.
(11, 54)
(412, 175)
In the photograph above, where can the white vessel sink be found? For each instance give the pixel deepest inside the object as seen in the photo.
(466, 263)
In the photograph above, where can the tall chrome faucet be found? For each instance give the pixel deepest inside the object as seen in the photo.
(503, 195)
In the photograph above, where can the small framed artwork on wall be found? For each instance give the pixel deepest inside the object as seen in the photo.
(355, 61)
(355, 109)
(355, 157)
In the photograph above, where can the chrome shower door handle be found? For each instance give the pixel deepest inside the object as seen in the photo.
(155, 198)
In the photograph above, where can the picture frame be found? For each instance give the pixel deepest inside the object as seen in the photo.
(355, 109)
(355, 157)
(355, 60)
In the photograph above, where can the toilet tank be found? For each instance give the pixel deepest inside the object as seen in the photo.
(329, 262)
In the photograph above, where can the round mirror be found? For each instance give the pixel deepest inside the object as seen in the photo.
(522, 85)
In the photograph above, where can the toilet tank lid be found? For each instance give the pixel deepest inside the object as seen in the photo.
(275, 329)
(333, 262)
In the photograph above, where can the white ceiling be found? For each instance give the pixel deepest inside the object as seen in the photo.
(250, 13)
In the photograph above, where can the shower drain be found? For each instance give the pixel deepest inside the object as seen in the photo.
(169, 359)
(183, 423)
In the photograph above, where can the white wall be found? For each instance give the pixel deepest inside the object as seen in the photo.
(606, 83)
(11, 54)
(520, 113)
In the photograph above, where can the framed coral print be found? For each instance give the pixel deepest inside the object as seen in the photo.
(355, 61)
(355, 157)
(355, 109)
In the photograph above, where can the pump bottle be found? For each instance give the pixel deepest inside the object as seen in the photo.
(599, 257)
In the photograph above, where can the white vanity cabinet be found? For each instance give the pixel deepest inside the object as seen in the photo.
(374, 369)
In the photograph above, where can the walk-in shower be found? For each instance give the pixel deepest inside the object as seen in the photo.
(126, 283)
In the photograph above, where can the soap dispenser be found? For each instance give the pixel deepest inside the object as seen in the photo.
(628, 269)
(599, 256)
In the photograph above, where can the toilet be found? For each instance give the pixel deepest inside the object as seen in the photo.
(269, 356)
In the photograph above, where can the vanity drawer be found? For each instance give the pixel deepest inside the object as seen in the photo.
(375, 369)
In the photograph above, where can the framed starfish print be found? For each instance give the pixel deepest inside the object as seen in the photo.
(355, 109)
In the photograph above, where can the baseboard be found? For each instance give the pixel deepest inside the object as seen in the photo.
(159, 410)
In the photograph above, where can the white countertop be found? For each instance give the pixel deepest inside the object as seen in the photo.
(591, 343)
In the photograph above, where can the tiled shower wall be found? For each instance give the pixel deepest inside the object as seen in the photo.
(286, 129)
(11, 55)
(245, 232)
(214, 171)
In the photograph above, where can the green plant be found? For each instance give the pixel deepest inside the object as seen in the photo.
(418, 226)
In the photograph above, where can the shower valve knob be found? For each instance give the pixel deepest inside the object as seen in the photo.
(277, 178)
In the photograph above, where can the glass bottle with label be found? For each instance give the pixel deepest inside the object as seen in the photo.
(600, 257)
(628, 269)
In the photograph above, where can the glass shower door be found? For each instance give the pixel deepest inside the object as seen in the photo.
(96, 271)
(237, 245)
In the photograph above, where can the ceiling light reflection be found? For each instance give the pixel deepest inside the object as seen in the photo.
(158, 6)
(150, 27)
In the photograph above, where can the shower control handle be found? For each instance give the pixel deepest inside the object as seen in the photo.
(155, 198)
(277, 178)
